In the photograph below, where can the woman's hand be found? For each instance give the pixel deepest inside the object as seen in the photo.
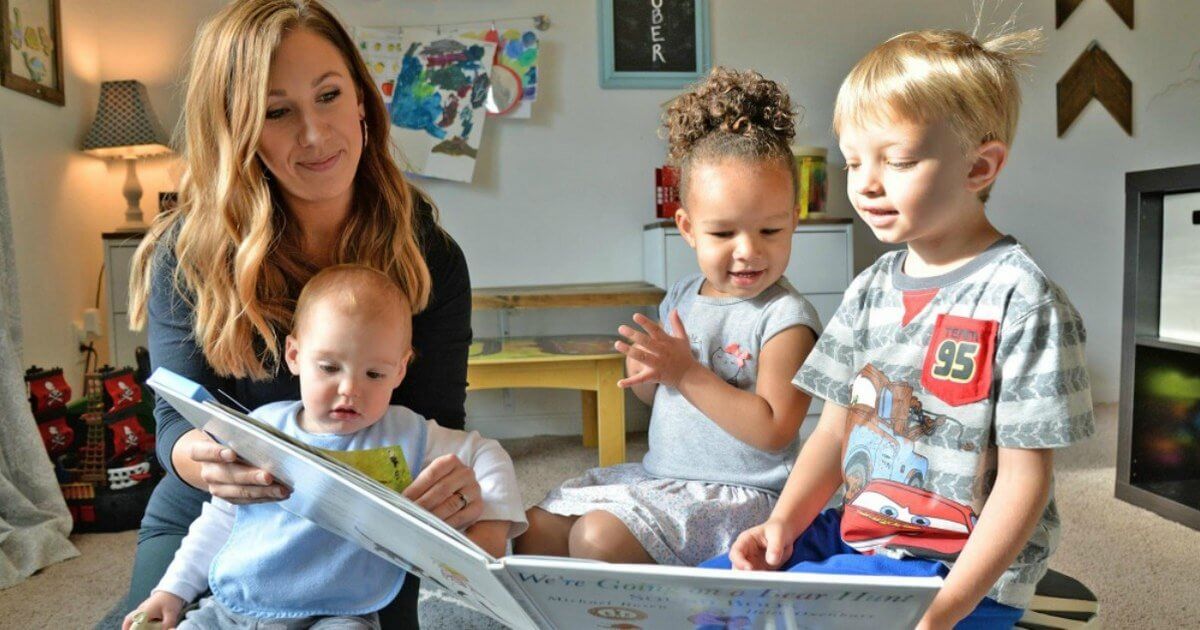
(160, 606)
(663, 357)
(762, 547)
(227, 478)
(449, 490)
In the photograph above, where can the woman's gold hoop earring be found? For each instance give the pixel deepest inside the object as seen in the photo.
(363, 122)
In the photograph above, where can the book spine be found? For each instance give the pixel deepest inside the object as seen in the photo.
(536, 619)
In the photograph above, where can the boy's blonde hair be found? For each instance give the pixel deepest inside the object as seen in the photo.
(932, 75)
(356, 290)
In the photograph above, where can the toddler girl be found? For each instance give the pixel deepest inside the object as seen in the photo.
(717, 367)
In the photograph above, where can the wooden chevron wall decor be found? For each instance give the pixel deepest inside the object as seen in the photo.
(1095, 75)
(1064, 8)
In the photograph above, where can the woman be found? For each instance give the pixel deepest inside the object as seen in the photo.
(286, 171)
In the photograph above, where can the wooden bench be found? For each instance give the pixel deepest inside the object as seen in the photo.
(584, 362)
(588, 363)
(603, 294)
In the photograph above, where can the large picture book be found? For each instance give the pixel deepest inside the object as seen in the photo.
(527, 592)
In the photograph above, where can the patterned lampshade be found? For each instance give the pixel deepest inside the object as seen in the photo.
(125, 125)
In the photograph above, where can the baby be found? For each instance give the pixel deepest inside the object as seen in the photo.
(350, 346)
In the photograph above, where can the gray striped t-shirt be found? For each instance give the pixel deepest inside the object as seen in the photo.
(937, 373)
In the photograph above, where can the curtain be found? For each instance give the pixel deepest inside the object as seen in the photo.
(34, 521)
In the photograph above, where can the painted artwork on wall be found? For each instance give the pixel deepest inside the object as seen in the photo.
(515, 69)
(435, 87)
(32, 48)
(380, 49)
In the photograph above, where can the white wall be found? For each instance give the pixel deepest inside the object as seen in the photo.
(1065, 197)
(62, 199)
(55, 219)
(562, 197)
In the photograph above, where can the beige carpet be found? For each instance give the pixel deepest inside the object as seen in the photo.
(1142, 567)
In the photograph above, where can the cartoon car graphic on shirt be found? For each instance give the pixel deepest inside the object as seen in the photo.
(905, 520)
(884, 421)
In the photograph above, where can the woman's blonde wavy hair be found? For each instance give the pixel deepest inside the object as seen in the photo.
(240, 264)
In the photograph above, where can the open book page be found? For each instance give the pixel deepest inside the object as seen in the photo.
(581, 594)
(528, 592)
(350, 504)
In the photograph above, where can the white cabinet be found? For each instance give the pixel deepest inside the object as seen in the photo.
(118, 256)
(1179, 311)
(821, 266)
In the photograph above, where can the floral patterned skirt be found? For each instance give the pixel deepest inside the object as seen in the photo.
(677, 521)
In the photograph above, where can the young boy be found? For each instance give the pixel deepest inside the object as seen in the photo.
(350, 346)
(951, 369)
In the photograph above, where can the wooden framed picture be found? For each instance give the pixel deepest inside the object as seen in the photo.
(653, 43)
(31, 48)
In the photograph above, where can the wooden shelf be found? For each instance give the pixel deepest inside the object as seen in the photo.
(1158, 444)
(817, 221)
(1185, 492)
(603, 294)
(1178, 501)
(123, 236)
(1166, 344)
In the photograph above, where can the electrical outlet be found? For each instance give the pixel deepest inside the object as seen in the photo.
(91, 322)
(81, 334)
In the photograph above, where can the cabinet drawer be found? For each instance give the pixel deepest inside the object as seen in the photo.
(120, 261)
(124, 341)
(119, 248)
(820, 261)
(1179, 315)
(681, 259)
(826, 304)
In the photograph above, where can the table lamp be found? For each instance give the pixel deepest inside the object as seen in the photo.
(126, 128)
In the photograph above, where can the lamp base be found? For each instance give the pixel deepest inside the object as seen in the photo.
(133, 199)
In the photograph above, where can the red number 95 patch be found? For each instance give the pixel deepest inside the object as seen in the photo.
(958, 362)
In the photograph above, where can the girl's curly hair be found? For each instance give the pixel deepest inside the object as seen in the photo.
(730, 113)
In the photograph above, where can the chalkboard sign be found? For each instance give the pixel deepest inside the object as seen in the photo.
(653, 43)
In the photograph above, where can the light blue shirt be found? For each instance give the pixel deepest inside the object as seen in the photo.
(279, 565)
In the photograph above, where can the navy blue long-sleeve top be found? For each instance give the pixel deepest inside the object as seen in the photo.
(436, 383)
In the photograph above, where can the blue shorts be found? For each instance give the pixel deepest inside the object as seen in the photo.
(820, 550)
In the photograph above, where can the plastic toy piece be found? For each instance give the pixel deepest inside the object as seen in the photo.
(140, 622)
